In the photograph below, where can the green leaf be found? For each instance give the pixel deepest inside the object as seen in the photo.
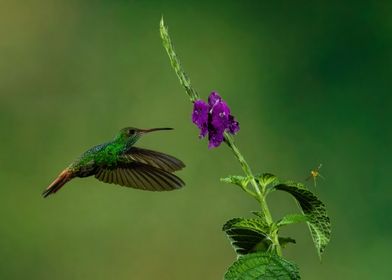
(267, 179)
(236, 180)
(315, 211)
(258, 214)
(248, 235)
(262, 266)
(292, 219)
(283, 241)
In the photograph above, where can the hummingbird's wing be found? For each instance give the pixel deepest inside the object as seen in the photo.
(140, 176)
(153, 158)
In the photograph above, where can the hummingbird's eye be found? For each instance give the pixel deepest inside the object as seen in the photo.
(131, 131)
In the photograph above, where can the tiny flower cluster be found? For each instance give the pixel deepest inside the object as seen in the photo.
(214, 119)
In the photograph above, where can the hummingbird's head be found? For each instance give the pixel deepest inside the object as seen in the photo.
(131, 134)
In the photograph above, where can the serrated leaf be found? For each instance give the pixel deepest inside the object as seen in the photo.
(315, 211)
(248, 235)
(267, 179)
(236, 180)
(258, 214)
(292, 219)
(296, 184)
(283, 241)
(262, 266)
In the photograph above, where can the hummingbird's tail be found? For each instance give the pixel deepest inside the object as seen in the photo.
(60, 181)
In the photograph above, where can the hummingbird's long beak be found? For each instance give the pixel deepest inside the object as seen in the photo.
(155, 129)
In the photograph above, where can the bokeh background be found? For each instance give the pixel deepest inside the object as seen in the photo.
(310, 83)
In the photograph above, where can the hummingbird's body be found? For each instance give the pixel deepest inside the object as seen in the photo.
(119, 162)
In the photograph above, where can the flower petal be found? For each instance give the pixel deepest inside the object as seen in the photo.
(200, 116)
(214, 98)
(234, 126)
(215, 137)
(220, 116)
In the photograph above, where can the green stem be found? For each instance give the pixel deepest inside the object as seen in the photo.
(274, 233)
(261, 194)
(248, 172)
(175, 63)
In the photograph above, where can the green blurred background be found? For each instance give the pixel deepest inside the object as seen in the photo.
(310, 83)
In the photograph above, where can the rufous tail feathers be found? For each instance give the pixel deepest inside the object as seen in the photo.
(60, 181)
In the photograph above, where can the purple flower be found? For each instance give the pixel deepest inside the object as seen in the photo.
(214, 119)
(215, 138)
(214, 98)
(200, 116)
(234, 126)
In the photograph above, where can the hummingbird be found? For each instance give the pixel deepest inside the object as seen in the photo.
(119, 162)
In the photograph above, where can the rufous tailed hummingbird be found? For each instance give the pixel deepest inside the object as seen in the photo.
(119, 162)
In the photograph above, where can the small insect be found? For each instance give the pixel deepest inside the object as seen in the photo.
(314, 174)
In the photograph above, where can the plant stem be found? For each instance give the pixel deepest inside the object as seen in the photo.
(248, 172)
(175, 62)
(260, 191)
(261, 194)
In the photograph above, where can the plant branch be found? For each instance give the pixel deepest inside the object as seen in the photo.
(260, 191)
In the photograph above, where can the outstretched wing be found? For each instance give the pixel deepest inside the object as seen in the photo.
(140, 176)
(153, 158)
